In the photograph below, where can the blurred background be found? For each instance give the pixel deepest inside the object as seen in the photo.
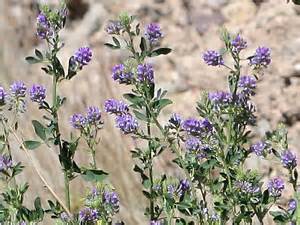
(190, 27)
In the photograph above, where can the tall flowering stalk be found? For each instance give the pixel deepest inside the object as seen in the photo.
(146, 106)
(49, 24)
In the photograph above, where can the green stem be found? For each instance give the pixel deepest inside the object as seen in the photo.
(67, 190)
(150, 167)
(57, 137)
(94, 159)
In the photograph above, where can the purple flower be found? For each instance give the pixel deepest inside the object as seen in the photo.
(248, 84)
(262, 57)
(247, 187)
(5, 162)
(119, 74)
(155, 222)
(114, 106)
(65, 217)
(213, 58)
(3, 96)
(114, 27)
(153, 33)
(78, 121)
(288, 159)
(220, 98)
(127, 123)
(196, 127)
(22, 223)
(184, 185)
(193, 144)
(88, 215)
(292, 205)
(238, 44)
(145, 73)
(171, 190)
(18, 89)
(37, 93)
(95, 192)
(93, 115)
(214, 217)
(175, 120)
(83, 56)
(258, 148)
(111, 198)
(276, 186)
(44, 29)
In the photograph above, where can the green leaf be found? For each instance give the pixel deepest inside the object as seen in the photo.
(134, 99)
(116, 41)
(162, 103)
(71, 69)
(31, 145)
(111, 46)
(180, 221)
(296, 2)
(140, 116)
(143, 44)
(137, 29)
(160, 51)
(32, 60)
(38, 54)
(95, 175)
(39, 129)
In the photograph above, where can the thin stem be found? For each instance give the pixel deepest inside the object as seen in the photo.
(150, 166)
(39, 173)
(57, 137)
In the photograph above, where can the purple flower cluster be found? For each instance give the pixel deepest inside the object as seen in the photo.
(248, 84)
(193, 144)
(247, 187)
(220, 98)
(37, 93)
(171, 190)
(292, 205)
(78, 121)
(258, 148)
(276, 186)
(213, 58)
(119, 74)
(262, 57)
(65, 217)
(124, 120)
(44, 29)
(145, 73)
(196, 127)
(18, 89)
(116, 107)
(153, 33)
(175, 120)
(83, 56)
(127, 123)
(5, 162)
(238, 44)
(93, 115)
(288, 159)
(184, 185)
(88, 215)
(111, 198)
(3, 96)
(156, 222)
(114, 27)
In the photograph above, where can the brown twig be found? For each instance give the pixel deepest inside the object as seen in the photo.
(39, 173)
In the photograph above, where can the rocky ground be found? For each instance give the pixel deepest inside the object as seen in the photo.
(190, 27)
